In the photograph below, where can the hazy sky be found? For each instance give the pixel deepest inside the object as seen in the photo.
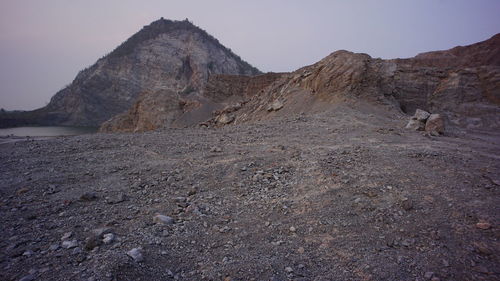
(44, 43)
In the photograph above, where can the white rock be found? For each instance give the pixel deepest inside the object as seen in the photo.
(421, 115)
(69, 244)
(136, 254)
(108, 238)
(163, 219)
(275, 106)
(415, 125)
(66, 236)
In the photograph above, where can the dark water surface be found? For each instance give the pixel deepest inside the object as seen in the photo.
(49, 131)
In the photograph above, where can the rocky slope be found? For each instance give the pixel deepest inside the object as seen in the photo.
(463, 84)
(166, 108)
(165, 56)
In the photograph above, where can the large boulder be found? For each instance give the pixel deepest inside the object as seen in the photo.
(421, 115)
(275, 106)
(224, 119)
(415, 125)
(435, 124)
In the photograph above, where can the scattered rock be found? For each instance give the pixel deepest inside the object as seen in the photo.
(435, 124)
(192, 192)
(136, 254)
(428, 275)
(415, 125)
(292, 229)
(28, 253)
(88, 196)
(69, 244)
(483, 225)
(406, 204)
(66, 236)
(275, 106)
(108, 238)
(421, 115)
(162, 219)
(224, 119)
(117, 199)
(54, 247)
(99, 232)
(92, 242)
(288, 269)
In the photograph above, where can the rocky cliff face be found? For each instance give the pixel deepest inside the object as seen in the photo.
(463, 84)
(165, 56)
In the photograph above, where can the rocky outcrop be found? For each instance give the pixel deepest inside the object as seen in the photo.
(173, 56)
(461, 84)
(434, 124)
(422, 120)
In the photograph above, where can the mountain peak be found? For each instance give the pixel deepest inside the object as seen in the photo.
(152, 31)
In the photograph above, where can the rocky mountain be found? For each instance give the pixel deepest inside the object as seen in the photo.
(173, 74)
(174, 57)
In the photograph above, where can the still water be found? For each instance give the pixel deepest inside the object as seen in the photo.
(49, 131)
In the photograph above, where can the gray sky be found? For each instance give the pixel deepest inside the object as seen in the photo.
(43, 44)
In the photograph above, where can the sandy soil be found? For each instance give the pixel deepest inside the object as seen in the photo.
(335, 196)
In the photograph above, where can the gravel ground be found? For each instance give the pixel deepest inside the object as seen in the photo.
(335, 196)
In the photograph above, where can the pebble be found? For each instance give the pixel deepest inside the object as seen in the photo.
(288, 269)
(108, 238)
(483, 225)
(406, 204)
(88, 196)
(180, 199)
(428, 275)
(136, 254)
(99, 232)
(69, 244)
(122, 197)
(163, 219)
(54, 247)
(28, 253)
(91, 242)
(192, 192)
(301, 250)
(292, 229)
(77, 251)
(66, 236)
